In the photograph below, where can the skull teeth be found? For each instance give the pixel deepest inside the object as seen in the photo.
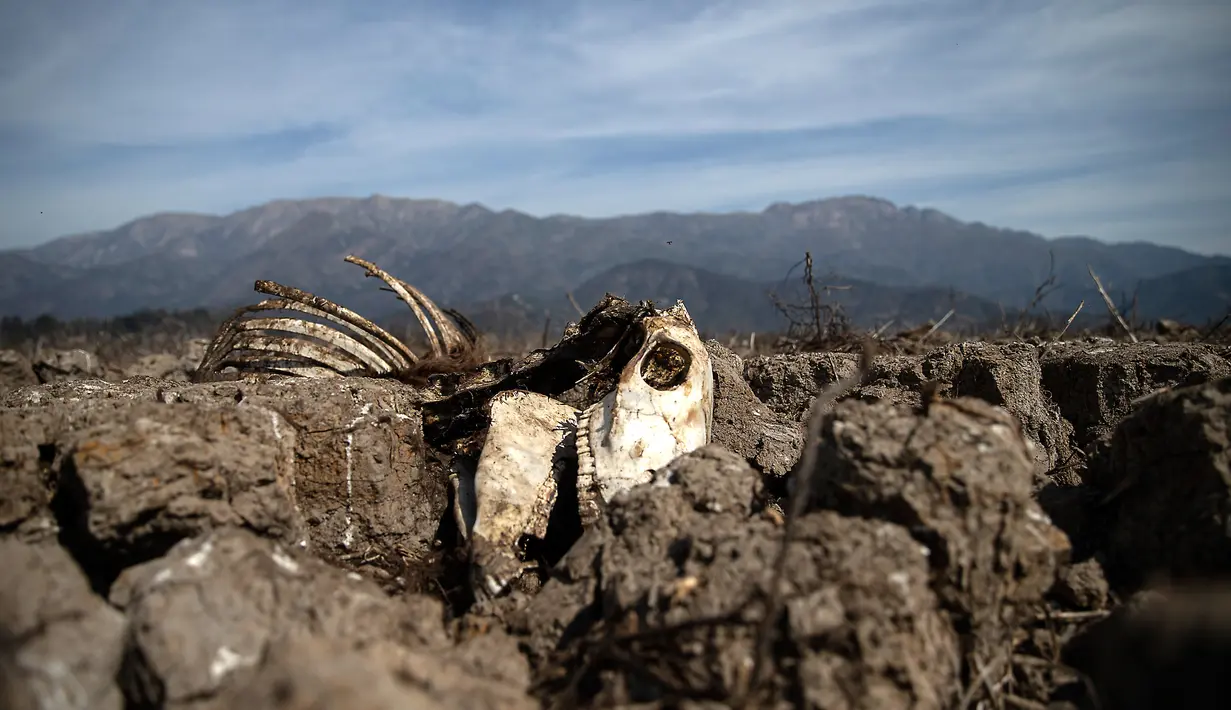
(587, 488)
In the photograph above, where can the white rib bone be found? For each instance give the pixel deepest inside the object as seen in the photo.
(396, 358)
(336, 338)
(449, 333)
(335, 359)
(418, 305)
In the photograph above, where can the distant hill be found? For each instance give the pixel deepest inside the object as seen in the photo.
(468, 254)
(1193, 295)
(720, 303)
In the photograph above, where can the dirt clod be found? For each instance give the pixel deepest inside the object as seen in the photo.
(1082, 585)
(379, 675)
(744, 425)
(362, 479)
(958, 477)
(1010, 376)
(1163, 649)
(57, 365)
(1166, 485)
(788, 383)
(15, 371)
(1096, 384)
(154, 474)
(680, 577)
(205, 613)
(60, 645)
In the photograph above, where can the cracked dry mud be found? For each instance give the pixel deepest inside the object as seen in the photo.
(989, 525)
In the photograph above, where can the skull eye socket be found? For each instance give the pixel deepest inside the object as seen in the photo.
(665, 367)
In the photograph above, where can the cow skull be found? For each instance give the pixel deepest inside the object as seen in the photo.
(660, 408)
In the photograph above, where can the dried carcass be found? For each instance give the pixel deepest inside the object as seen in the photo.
(627, 390)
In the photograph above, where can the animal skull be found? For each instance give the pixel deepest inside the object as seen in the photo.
(661, 408)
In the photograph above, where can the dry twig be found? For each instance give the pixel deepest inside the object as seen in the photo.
(1016, 701)
(1074, 615)
(1043, 290)
(939, 323)
(1111, 307)
(574, 302)
(980, 682)
(818, 322)
(1069, 322)
(1215, 328)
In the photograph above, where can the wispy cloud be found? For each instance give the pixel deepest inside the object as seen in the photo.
(1098, 117)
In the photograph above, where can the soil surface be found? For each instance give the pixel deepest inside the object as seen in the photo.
(986, 524)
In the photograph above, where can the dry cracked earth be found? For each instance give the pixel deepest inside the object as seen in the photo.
(995, 525)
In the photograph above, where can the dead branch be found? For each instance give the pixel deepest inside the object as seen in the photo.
(980, 682)
(1042, 291)
(1015, 701)
(1073, 615)
(1111, 307)
(817, 323)
(1132, 308)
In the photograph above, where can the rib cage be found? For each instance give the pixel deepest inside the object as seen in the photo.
(345, 344)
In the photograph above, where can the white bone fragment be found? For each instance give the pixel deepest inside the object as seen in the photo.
(529, 443)
(661, 408)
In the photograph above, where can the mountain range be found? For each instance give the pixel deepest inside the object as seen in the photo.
(899, 262)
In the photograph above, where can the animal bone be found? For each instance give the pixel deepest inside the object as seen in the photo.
(347, 344)
(661, 408)
(529, 444)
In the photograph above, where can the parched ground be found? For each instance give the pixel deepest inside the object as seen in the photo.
(995, 525)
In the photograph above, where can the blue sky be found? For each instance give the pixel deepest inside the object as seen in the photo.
(1097, 117)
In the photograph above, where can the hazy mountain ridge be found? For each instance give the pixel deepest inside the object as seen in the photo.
(470, 254)
(720, 303)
